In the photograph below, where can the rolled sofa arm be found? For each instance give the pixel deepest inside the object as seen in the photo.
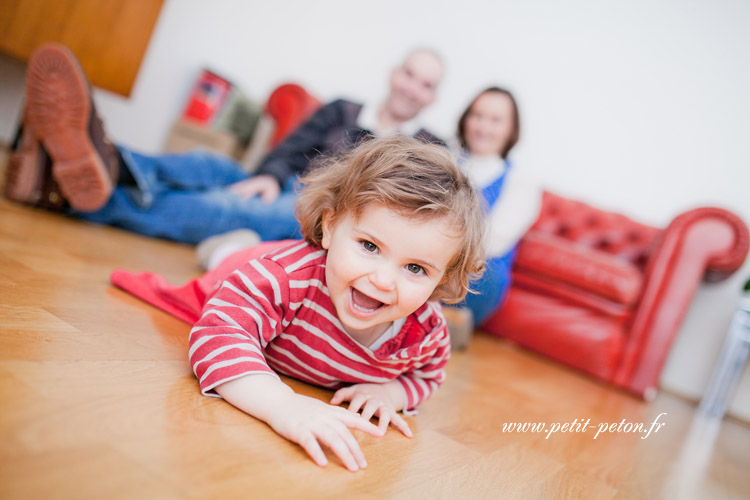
(704, 242)
(289, 105)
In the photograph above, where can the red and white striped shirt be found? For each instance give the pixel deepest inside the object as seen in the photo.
(274, 313)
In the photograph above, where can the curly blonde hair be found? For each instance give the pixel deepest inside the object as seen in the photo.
(410, 177)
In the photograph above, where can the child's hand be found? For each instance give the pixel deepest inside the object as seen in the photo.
(308, 422)
(380, 400)
(301, 419)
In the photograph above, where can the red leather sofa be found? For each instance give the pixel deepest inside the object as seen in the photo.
(605, 294)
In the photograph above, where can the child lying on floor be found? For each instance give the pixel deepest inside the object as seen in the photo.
(389, 229)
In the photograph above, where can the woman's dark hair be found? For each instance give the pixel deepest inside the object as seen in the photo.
(512, 140)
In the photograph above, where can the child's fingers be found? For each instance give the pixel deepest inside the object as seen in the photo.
(370, 408)
(356, 403)
(383, 420)
(342, 394)
(353, 445)
(335, 439)
(309, 443)
(355, 421)
(399, 423)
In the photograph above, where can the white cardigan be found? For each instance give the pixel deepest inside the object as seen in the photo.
(516, 209)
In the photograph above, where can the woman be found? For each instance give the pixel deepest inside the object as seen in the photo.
(487, 131)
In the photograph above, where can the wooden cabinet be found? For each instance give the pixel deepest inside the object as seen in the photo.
(108, 36)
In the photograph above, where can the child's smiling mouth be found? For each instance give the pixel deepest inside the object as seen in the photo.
(363, 304)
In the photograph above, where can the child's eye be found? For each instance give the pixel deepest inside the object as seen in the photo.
(369, 246)
(415, 269)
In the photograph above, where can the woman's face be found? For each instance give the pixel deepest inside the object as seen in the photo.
(489, 124)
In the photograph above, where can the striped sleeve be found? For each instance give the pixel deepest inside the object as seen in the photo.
(236, 324)
(420, 382)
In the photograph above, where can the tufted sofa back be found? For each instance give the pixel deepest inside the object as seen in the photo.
(596, 229)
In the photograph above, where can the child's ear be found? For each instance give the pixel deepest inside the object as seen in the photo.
(327, 226)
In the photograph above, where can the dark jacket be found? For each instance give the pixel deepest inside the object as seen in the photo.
(333, 128)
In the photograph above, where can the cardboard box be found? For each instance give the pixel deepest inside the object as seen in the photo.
(187, 136)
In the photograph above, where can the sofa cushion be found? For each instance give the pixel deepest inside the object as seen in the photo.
(577, 270)
(577, 336)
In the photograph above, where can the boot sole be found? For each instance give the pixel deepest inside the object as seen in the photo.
(59, 108)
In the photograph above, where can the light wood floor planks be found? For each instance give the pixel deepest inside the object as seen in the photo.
(98, 402)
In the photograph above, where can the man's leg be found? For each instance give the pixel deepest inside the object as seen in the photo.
(62, 114)
(192, 216)
(197, 170)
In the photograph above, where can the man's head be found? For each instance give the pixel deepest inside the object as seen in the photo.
(413, 84)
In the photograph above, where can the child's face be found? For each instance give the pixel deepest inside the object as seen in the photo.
(383, 267)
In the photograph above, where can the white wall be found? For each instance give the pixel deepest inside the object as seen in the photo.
(640, 107)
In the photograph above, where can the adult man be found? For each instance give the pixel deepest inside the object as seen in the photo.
(64, 161)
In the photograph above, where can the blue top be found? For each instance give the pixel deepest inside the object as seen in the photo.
(491, 192)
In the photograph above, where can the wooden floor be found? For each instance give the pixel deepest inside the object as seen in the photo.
(98, 402)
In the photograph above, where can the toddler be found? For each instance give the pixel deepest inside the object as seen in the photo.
(390, 228)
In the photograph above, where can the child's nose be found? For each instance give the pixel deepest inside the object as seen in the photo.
(383, 278)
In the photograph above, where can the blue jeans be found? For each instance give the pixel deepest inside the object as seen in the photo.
(184, 197)
(491, 288)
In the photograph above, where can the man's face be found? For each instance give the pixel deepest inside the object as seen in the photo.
(413, 85)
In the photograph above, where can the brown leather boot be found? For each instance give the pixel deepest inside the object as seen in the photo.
(62, 114)
(28, 178)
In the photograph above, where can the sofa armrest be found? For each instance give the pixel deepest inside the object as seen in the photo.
(702, 242)
(574, 269)
(289, 105)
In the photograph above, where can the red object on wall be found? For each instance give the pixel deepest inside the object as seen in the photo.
(289, 105)
(207, 98)
(604, 294)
